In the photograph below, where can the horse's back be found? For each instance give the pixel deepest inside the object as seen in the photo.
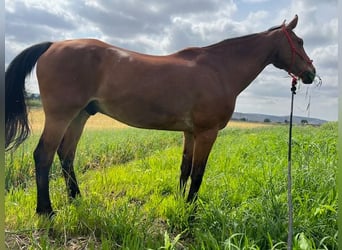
(90, 66)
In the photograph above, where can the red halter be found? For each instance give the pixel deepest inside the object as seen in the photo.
(294, 51)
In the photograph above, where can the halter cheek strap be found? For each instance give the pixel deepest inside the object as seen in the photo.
(294, 52)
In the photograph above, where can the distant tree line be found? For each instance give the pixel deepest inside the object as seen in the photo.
(33, 100)
(268, 120)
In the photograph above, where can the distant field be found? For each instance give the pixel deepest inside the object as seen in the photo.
(99, 121)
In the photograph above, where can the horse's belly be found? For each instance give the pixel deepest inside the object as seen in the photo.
(149, 116)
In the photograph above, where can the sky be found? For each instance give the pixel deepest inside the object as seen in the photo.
(162, 27)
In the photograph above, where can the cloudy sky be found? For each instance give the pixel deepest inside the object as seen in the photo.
(160, 27)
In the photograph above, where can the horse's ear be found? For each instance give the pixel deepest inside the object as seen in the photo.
(293, 23)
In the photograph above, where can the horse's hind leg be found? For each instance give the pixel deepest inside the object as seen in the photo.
(43, 156)
(186, 160)
(66, 152)
(203, 144)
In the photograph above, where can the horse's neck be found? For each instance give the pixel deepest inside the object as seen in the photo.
(240, 60)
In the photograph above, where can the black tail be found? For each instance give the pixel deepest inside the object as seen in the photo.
(16, 123)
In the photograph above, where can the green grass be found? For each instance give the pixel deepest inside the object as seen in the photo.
(130, 200)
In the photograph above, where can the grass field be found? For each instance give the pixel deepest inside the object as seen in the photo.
(129, 179)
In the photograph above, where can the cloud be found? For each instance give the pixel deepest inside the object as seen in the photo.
(255, 1)
(28, 23)
(326, 57)
(177, 22)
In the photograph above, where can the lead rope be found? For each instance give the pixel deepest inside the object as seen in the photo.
(289, 176)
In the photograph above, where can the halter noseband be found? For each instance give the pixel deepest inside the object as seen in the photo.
(294, 51)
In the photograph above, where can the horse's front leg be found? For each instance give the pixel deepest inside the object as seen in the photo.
(202, 147)
(186, 160)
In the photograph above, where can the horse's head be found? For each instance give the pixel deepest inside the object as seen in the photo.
(291, 55)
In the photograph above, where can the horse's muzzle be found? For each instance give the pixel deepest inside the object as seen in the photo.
(308, 76)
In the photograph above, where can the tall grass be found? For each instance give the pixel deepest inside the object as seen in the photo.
(130, 199)
(97, 149)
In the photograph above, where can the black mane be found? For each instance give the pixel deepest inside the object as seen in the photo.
(275, 27)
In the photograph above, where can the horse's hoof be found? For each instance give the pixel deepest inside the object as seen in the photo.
(47, 212)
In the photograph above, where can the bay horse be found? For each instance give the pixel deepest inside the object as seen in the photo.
(193, 90)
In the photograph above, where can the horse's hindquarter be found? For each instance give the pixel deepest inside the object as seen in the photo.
(69, 73)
